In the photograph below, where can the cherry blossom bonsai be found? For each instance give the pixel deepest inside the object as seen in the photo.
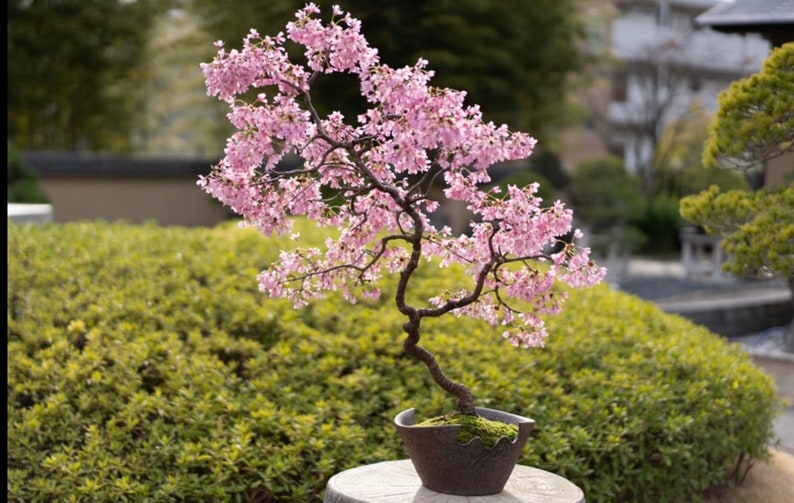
(380, 167)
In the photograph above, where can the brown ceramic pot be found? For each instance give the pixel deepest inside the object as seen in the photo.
(446, 466)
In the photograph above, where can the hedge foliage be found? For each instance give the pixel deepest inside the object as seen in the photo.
(23, 181)
(143, 364)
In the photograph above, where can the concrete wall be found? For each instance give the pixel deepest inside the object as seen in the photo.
(168, 201)
(743, 311)
(135, 188)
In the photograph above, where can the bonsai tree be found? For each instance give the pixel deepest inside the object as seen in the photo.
(755, 123)
(757, 231)
(755, 119)
(369, 176)
(757, 228)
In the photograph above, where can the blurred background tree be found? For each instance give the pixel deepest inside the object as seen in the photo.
(605, 198)
(123, 75)
(757, 228)
(755, 119)
(546, 164)
(678, 168)
(179, 117)
(604, 193)
(76, 70)
(543, 167)
(23, 182)
(513, 57)
(754, 123)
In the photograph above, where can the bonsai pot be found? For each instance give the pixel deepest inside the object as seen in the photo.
(446, 466)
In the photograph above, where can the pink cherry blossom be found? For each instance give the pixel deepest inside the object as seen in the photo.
(381, 163)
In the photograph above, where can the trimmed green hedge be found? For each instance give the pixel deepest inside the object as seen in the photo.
(143, 364)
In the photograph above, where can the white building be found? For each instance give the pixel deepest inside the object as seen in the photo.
(656, 63)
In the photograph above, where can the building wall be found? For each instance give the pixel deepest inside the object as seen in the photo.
(693, 65)
(637, 39)
(135, 188)
(167, 201)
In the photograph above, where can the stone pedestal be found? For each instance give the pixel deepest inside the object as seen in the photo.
(396, 481)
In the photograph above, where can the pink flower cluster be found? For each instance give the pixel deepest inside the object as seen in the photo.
(410, 131)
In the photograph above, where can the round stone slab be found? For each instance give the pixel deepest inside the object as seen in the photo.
(397, 481)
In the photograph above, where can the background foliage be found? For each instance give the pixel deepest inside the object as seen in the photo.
(143, 364)
(118, 75)
(23, 181)
(755, 120)
(75, 71)
(607, 199)
(604, 193)
(757, 228)
(754, 123)
(678, 166)
(512, 57)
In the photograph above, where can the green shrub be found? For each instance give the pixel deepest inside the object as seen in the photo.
(606, 198)
(662, 224)
(548, 165)
(23, 181)
(605, 195)
(143, 364)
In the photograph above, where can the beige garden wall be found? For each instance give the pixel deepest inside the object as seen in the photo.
(168, 201)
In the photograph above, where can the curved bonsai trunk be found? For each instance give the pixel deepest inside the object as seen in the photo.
(411, 327)
(412, 348)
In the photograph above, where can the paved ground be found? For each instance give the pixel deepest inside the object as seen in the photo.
(664, 281)
(766, 348)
